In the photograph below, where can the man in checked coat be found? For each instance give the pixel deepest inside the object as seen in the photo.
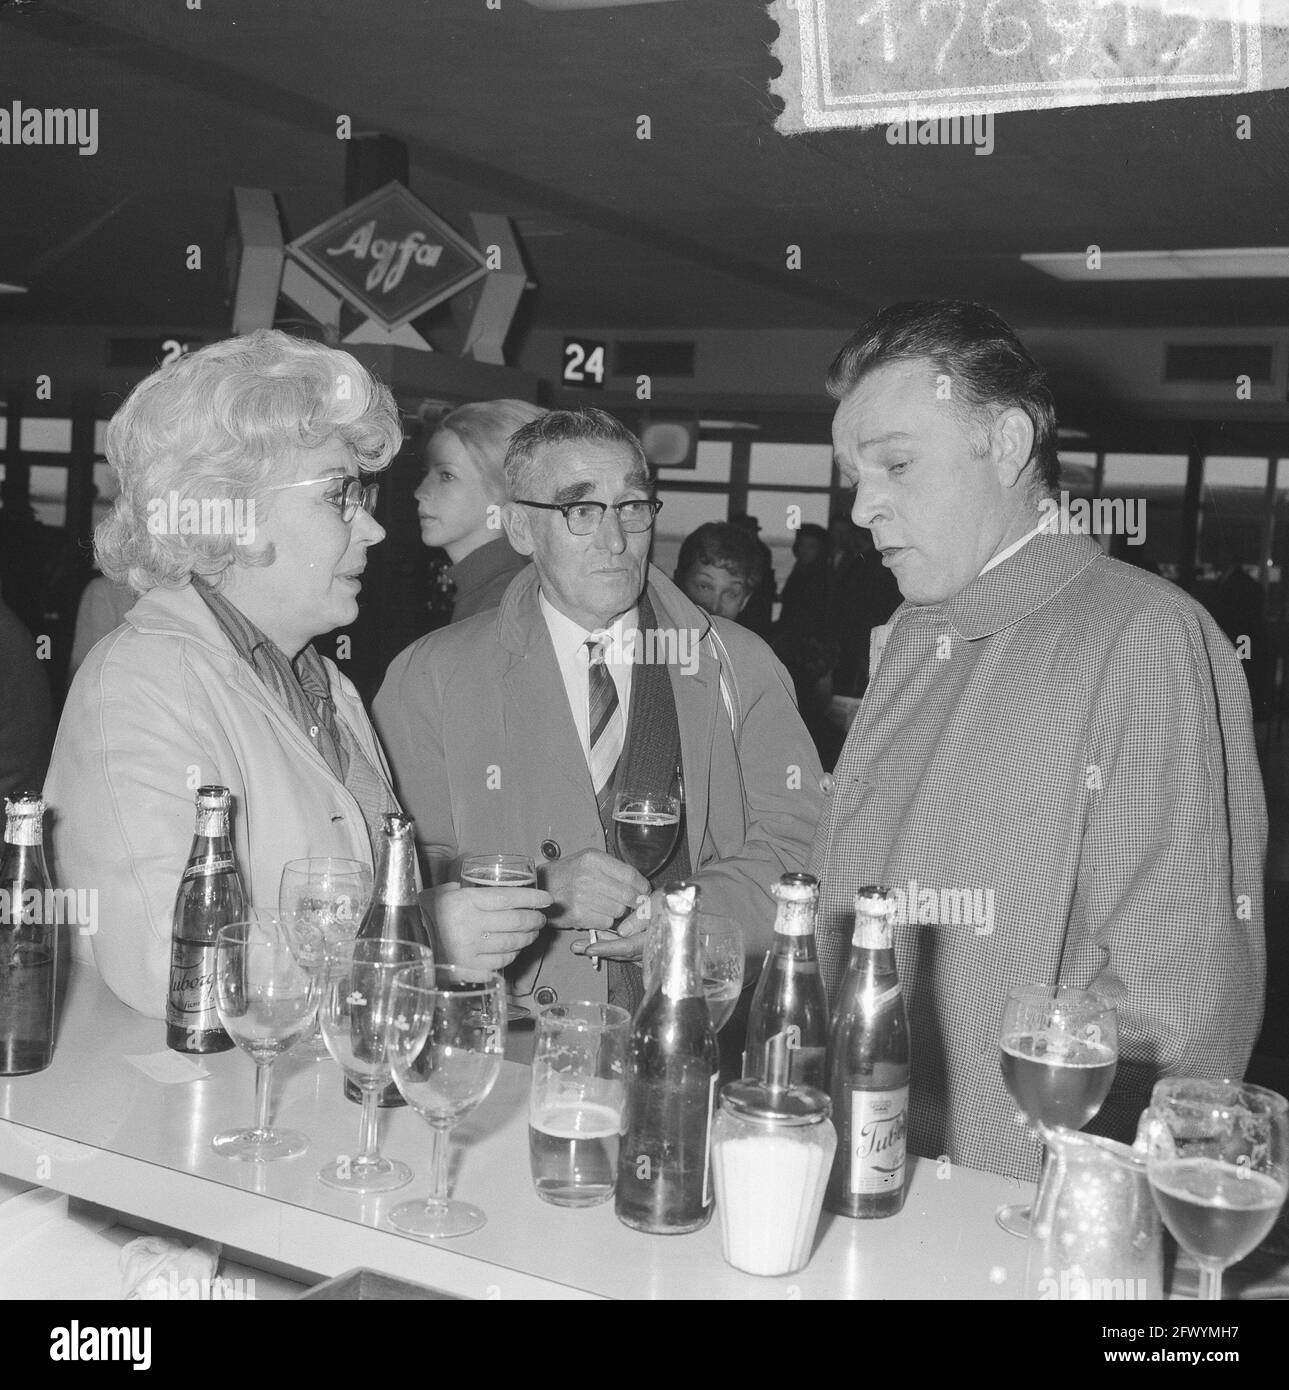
(1053, 763)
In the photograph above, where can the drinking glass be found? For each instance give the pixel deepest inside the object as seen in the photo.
(575, 1101)
(447, 1040)
(266, 992)
(721, 958)
(646, 827)
(356, 993)
(1059, 1050)
(1217, 1154)
(501, 871)
(331, 894)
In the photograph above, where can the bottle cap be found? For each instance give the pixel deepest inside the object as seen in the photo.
(24, 804)
(796, 888)
(213, 798)
(396, 825)
(874, 901)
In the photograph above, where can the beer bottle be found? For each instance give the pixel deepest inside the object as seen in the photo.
(790, 1000)
(394, 913)
(673, 1067)
(28, 941)
(868, 1069)
(210, 896)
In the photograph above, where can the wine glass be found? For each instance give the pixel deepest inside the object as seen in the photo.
(1059, 1050)
(447, 1040)
(357, 987)
(721, 959)
(501, 871)
(646, 827)
(1217, 1155)
(266, 992)
(331, 894)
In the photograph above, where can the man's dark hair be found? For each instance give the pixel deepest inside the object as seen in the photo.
(724, 544)
(587, 425)
(988, 366)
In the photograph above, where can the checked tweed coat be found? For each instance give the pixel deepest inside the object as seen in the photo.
(1073, 735)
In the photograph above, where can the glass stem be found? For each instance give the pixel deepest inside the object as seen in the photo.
(368, 1135)
(440, 1144)
(1210, 1281)
(263, 1078)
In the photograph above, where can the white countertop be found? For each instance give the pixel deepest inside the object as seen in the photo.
(95, 1127)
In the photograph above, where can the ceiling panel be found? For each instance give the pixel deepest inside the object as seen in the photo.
(533, 113)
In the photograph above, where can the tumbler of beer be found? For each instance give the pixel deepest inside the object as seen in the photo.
(575, 1104)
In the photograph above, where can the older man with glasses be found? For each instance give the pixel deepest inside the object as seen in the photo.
(595, 675)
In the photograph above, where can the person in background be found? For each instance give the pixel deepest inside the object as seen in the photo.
(26, 714)
(214, 676)
(759, 613)
(1054, 754)
(102, 610)
(803, 638)
(460, 500)
(805, 591)
(515, 730)
(864, 595)
(719, 568)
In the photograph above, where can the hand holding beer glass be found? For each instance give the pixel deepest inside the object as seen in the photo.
(501, 871)
(1059, 1051)
(575, 1102)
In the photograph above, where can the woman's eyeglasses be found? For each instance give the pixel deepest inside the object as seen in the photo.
(351, 494)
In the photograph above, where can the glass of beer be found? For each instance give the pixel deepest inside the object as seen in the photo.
(1059, 1048)
(1218, 1162)
(575, 1102)
(645, 828)
(501, 871)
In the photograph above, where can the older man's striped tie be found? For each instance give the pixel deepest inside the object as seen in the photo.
(607, 726)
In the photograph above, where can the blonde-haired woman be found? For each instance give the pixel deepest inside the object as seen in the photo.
(244, 520)
(460, 500)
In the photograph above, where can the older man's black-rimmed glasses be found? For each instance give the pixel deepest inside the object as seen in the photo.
(584, 518)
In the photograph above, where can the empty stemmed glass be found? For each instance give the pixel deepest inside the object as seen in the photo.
(356, 1002)
(1217, 1155)
(447, 1036)
(266, 992)
(1059, 1051)
(721, 956)
(331, 894)
(501, 871)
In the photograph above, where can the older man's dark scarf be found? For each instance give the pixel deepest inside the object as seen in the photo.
(650, 761)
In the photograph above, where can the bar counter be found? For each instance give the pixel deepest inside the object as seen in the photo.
(93, 1126)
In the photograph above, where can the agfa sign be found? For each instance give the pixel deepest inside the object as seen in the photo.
(389, 256)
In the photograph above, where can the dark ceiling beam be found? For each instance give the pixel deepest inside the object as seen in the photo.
(71, 30)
